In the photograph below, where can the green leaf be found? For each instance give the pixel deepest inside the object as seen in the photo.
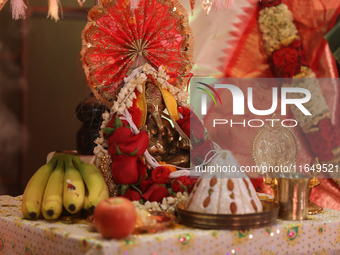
(183, 186)
(124, 188)
(193, 137)
(118, 150)
(134, 153)
(108, 131)
(139, 191)
(141, 179)
(118, 122)
(171, 192)
(200, 160)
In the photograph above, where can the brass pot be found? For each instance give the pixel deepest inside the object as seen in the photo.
(293, 197)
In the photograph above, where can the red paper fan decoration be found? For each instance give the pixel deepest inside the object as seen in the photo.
(116, 36)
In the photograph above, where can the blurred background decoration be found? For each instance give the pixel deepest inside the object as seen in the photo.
(41, 83)
(19, 8)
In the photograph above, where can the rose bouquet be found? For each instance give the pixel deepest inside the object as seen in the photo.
(129, 170)
(159, 186)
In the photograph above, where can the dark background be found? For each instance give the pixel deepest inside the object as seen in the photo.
(41, 83)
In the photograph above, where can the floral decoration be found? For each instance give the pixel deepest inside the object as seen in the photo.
(287, 62)
(183, 183)
(126, 148)
(282, 44)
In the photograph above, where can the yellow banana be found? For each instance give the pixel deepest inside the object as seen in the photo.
(34, 191)
(74, 189)
(52, 205)
(94, 181)
(85, 212)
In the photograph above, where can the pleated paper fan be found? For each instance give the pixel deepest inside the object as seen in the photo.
(117, 37)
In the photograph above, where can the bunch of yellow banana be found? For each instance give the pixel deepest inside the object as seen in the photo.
(64, 182)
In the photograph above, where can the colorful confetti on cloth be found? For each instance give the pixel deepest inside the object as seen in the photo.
(318, 235)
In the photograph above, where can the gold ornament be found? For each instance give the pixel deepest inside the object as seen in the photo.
(105, 167)
(164, 144)
(312, 207)
(274, 145)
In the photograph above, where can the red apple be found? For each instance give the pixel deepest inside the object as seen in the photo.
(115, 217)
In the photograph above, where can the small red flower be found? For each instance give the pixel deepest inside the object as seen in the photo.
(156, 193)
(190, 124)
(144, 185)
(132, 194)
(285, 62)
(184, 181)
(160, 175)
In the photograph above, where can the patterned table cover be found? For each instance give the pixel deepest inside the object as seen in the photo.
(318, 235)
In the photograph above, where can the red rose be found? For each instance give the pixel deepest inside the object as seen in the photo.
(287, 62)
(125, 168)
(200, 150)
(156, 193)
(296, 44)
(179, 182)
(127, 142)
(160, 175)
(144, 185)
(141, 167)
(256, 182)
(190, 124)
(284, 62)
(132, 194)
(269, 3)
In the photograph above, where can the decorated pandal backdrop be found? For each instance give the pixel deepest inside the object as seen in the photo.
(139, 58)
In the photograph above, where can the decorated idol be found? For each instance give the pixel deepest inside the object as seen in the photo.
(140, 70)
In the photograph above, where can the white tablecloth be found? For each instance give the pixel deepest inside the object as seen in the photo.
(318, 235)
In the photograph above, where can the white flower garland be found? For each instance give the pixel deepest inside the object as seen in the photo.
(276, 24)
(135, 80)
(125, 99)
(168, 204)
